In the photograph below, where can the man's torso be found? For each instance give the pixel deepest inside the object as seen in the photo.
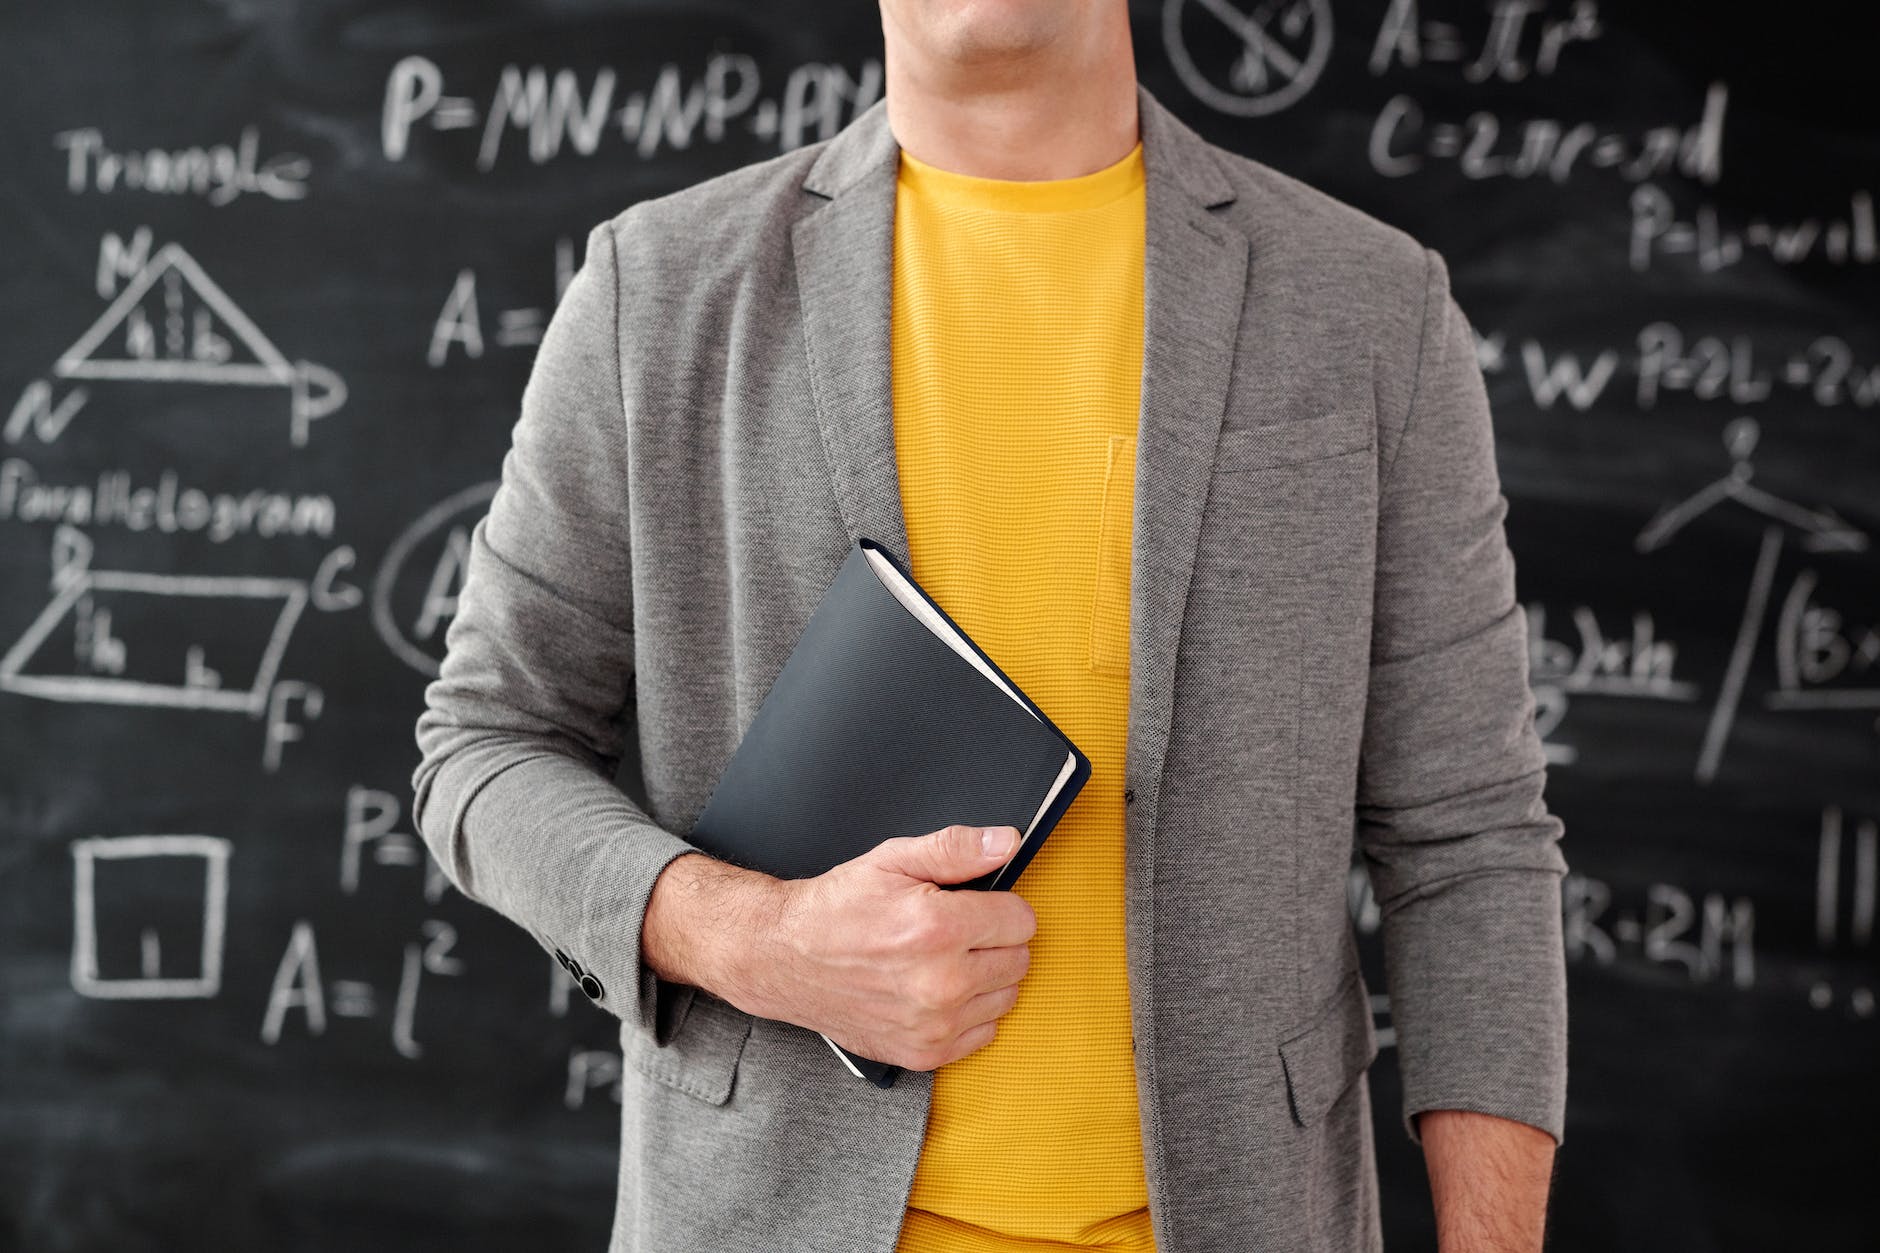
(1281, 341)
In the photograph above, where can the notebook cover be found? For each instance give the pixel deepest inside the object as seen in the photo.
(876, 728)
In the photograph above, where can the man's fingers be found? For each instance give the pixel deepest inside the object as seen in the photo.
(995, 919)
(989, 969)
(988, 1007)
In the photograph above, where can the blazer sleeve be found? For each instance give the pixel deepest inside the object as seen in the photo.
(1462, 852)
(522, 728)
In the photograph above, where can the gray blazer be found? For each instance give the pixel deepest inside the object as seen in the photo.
(1325, 645)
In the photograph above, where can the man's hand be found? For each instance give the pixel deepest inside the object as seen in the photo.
(878, 957)
(1489, 1178)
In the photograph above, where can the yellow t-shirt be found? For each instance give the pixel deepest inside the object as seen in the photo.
(1017, 370)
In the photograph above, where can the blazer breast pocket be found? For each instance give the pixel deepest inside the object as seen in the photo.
(1318, 438)
(1276, 478)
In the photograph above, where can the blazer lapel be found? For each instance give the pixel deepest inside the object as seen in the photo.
(1194, 282)
(1194, 285)
(844, 271)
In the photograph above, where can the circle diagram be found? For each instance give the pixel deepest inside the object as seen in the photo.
(1248, 62)
(420, 576)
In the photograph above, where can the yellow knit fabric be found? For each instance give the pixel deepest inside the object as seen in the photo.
(1017, 370)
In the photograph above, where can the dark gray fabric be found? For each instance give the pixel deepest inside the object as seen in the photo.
(1324, 645)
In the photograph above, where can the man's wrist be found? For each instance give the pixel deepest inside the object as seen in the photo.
(706, 921)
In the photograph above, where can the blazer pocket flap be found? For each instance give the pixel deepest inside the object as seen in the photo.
(701, 1057)
(1327, 1056)
(1303, 439)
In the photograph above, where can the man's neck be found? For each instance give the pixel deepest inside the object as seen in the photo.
(1014, 122)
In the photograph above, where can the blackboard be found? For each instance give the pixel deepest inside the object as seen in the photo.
(272, 279)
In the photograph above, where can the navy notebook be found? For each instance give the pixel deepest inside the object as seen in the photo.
(886, 720)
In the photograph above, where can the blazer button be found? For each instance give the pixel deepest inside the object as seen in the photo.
(592, 987)
(1129, 795)
(566, 963)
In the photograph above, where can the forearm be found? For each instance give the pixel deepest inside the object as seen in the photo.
(708, 924)
(1489, 1178)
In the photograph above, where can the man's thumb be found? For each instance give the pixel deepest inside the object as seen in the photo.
(953, 854)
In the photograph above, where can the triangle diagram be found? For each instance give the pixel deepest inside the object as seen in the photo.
(172, 323)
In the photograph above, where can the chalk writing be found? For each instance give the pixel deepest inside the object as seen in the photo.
(172, 323)
(556, 111)
(1405, 38)
(371, 816)
(1595, 664)
(588, 1070)
(1657, 231)
(1706, 937)
(1273, 54)
(299, 987)
(96, 664)
(1404, 142)
(166, 506)
(1822, 530)
(296, 986)
(1639, 665)
(1734, 370)
(1844, 919)
(219, 173)
(1710, 367)
(126, 853)
(460, 320)
(1824, 659)
(444, 527)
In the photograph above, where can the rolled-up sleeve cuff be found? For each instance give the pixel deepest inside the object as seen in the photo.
(1480, 1022)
